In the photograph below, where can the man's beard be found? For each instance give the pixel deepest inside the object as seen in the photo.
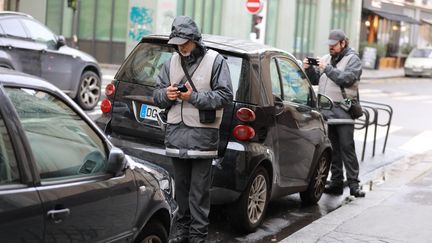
(333, 53)
(185, 54)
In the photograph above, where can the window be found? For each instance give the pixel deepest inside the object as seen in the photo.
(235, 65)
(144, 64)
(305, 29)
(146, 61)
(54, 15)
(274, 75)
(196, 9)
(40, 33)
(13, 27)
(63, 145)
(86, 19)
(103, 20)
(294, 83)
(8, 166)
(341, 15)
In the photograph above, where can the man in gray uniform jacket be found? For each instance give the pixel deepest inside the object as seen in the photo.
(191, 143)
(341, 68)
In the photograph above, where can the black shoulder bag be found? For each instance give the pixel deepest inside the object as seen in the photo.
(206, 116)
(352, 106)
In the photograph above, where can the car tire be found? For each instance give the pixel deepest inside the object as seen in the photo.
(89, 90)
(317, 183)
(250, 209)
(153, 232)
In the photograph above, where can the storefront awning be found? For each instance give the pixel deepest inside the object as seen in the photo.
(427, 21)
(395, 17)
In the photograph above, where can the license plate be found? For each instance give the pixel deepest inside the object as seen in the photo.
(149, 112)
(417, 70)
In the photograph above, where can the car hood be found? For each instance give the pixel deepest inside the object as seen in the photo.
(74, 52)
(418, 62)
(136, 164)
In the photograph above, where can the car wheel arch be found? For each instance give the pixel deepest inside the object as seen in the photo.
(161, 215)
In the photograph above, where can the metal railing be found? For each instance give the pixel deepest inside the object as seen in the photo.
(376, 115)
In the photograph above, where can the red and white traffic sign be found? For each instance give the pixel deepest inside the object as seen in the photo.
(253, 6)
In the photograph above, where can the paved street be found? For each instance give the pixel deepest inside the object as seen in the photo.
(409, 97)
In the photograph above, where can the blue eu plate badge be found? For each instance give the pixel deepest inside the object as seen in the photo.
(149, 112)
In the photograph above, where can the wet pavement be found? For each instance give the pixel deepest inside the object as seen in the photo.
(284, 216)
(398, 209)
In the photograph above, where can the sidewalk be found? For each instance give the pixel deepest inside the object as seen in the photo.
(398, 209)
(368, 74)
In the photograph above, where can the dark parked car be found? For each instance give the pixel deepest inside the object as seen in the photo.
(28, 46)
(61, 180)
(273, 139)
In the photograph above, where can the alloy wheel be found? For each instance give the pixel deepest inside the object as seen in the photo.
(257, 199)
(321, 176)
(90, 91)
(152, 239)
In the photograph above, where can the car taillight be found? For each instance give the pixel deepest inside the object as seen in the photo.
(243, 132)
(245, 114)
(109, 89)
(106, 105)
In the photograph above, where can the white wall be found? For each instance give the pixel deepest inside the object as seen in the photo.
(36, 8)
(235, 21)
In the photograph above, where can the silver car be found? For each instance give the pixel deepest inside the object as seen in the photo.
(30, 47)
(419, 62)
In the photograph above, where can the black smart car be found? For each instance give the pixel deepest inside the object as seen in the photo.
(28, 46)
(273, 139)
(61, 180)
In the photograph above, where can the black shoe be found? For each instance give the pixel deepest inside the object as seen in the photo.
(357, 192)
(334, 189)
(179, 239)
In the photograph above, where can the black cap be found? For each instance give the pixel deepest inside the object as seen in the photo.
(335, 36)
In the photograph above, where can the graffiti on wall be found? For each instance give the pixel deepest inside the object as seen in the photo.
(140, 22)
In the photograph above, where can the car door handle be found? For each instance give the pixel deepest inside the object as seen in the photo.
(10, 47)
(57, 216)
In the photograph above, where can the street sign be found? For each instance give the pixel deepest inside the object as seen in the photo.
(253, 6)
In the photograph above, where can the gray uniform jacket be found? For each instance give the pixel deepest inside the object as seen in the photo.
(193, 142)
(345, 78)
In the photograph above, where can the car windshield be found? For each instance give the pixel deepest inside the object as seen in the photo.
(146, 61)
(422, 53)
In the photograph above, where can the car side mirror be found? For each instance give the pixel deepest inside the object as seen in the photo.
(324, 102)
(61, 41)
(116, 162)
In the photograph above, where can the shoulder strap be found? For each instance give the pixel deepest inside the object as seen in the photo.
(188, 77)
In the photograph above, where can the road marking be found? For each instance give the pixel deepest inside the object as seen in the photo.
(419, 144)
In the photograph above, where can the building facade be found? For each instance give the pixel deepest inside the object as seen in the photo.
(109, 29)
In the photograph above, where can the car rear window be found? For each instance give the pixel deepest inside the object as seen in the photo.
(147, 59)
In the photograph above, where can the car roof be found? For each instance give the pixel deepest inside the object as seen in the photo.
(12, 13)
(12, 77)
(229, 44)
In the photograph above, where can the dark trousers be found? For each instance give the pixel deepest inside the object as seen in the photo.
(342, 139)
(192, 189)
